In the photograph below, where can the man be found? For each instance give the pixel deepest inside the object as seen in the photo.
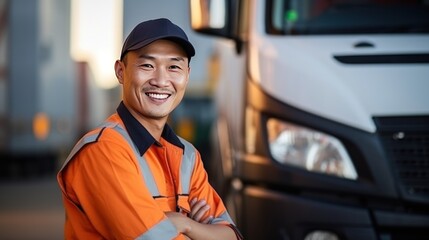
(133, 178)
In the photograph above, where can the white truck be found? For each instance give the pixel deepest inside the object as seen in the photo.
(322, 127)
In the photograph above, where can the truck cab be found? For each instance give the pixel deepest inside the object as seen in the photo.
(322, 116)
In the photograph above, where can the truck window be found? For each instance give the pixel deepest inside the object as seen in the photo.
(305, 17)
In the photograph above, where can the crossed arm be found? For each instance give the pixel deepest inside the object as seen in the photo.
(197, 228)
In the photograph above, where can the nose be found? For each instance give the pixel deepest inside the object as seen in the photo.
(160, 78)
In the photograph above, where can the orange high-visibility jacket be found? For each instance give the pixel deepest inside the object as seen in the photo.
(118, 181)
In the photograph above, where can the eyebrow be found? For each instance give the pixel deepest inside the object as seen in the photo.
(150, 57)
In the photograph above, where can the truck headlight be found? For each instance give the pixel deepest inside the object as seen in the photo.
(308, 149)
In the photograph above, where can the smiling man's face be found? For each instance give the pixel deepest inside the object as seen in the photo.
(154, 79)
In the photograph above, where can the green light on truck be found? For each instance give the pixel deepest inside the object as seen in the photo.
(291, 16)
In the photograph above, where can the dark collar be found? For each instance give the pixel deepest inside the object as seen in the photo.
(140, 136)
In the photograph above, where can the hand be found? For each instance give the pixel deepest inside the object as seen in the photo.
(192, 229)
(180, 221)
(198, 210)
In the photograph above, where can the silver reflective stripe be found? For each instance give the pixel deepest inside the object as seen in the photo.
(147, 174)
(163, 230)
(224, 217)
(82, 142)
(85, 140)
(187, 166)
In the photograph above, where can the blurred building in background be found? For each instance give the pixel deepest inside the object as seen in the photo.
(38, 107)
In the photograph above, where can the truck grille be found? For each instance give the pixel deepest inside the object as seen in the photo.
(406, 140)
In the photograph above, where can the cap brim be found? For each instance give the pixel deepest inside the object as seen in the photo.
(186, 45)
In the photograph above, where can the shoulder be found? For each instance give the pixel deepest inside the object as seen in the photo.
(104, 138)
(109, 130)
(106, 149)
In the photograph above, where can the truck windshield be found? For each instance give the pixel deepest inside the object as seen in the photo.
(300, 17)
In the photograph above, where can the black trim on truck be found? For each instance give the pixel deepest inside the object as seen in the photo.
(406, 140)
(383, 58)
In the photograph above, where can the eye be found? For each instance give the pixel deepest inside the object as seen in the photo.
(146, 65)
(175, 67)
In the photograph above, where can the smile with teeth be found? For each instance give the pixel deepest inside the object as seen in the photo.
(158, 96)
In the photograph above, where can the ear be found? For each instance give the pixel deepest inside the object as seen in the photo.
(119, 71)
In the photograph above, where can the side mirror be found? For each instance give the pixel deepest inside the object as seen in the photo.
(212, 17)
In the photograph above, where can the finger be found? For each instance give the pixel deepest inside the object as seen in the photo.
(200, 213)
(193, 201)
(197, 206)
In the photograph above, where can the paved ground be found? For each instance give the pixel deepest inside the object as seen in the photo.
(31, 209)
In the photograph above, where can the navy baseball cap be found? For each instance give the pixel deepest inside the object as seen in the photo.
(149, 31)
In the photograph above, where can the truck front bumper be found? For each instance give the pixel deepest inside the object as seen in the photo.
(292, 217)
